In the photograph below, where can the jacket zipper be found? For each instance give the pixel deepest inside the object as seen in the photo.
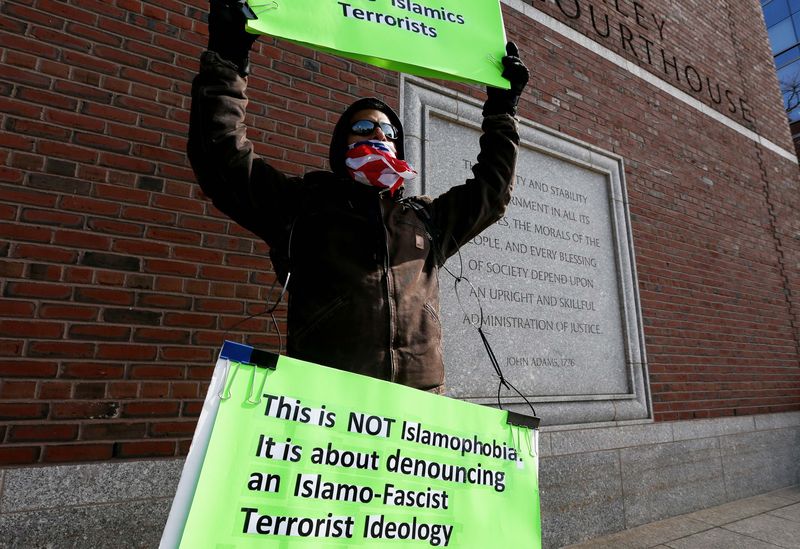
(389, 289)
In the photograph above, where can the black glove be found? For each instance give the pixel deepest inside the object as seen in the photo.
(500, 101)
(226, 34)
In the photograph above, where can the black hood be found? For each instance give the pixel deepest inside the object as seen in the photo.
(342, 131)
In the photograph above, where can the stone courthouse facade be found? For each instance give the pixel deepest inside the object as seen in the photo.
(643, 290)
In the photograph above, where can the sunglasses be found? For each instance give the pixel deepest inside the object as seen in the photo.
(367, 127)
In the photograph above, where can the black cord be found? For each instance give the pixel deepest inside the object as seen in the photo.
(503, 382)
(271, 310)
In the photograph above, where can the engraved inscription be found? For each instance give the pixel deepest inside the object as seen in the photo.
(543, 279)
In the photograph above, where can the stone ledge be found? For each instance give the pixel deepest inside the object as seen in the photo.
(37, 488)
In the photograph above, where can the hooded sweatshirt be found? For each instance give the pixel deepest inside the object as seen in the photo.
(362, 265)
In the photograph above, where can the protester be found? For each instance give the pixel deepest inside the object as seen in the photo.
(360, 261)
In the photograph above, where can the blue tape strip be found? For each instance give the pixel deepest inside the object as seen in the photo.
(236, 352)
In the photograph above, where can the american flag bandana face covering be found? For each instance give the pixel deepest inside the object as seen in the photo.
(373, 163)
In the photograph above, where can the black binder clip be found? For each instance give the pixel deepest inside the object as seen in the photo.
(526, 422)
(521, 420)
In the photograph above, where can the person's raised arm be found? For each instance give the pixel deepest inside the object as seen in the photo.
(464, 211)
(237, 181)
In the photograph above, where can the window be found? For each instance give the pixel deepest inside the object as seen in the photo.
(775, 11)
(782, 36)
(789, 78)
(783, 25)
(787, 57)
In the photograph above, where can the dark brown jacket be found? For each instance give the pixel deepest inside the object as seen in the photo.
(364, 289)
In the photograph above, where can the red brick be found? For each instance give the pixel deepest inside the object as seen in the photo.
(108, 278)
(192, 409)
(90, 205)
(11, 269)
(121, 351)
(155, 390)
(174, 235)
(115, 227)
(8, 212)
(65, 349)
(169, 284)
(156, 371)
(20, 108)
(82, 239)
(28, 233)
(12, 141)
(48, 253)
(185, 390)
(183, 447)
(47, 98)
(160, 266)
(37, 290)
(164, 301)
(68, 312)
(84, 410)
(161, 335)
(190, 320)
(159, 153)
(219, 306)
(50, 217)
(78, 275)
(19, 455)
(122, 194)
(10, 307)
(42, 271)
(197, 287)
(250, 262)
(51, 432)
(89, 390)
(99, 332)
(127, 163)
(10, 348)
(203, 224)
(77, 452)
(55, 390)
(22, 410)
(155, 408)
(187, 354)
(141, 247)
(123, 389)
(28, 196)
(178, 204)
(17, 390)
(90, 93)
(224, 273)
(104, 295)
(108, 430)
(172, 428)
(148, 214)
(147, 448)
(67, 151)
(74, 121)
(32, 329)
(214, 338)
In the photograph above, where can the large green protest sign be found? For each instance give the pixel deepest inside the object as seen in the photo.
(449, 39)
(299, 455)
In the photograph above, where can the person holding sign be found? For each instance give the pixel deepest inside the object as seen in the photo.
(360, 262)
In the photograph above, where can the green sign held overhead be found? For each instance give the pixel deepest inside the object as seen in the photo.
(291, 454)
(447, 39)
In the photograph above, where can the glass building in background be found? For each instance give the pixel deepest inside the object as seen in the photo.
(783, 25)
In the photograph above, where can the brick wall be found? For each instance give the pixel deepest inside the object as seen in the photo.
(119, 280)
